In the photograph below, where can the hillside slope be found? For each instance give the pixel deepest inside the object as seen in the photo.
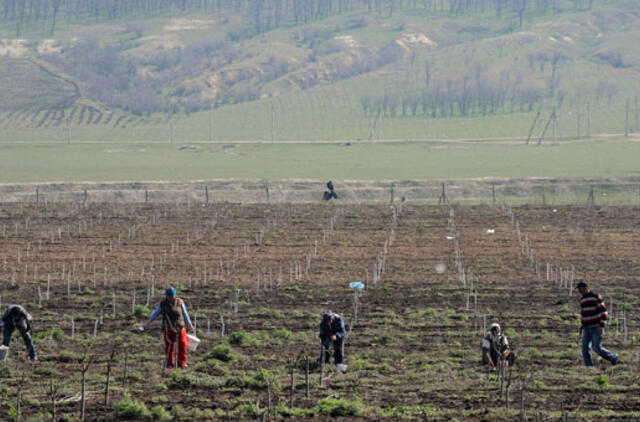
(415, 65)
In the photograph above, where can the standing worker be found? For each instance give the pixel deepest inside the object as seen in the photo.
(17, 317)
(174, 320)
(332, 332)
(593, 313)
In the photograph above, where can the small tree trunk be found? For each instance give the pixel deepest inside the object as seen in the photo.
(307, 374)
(82, 397)
(292, 386)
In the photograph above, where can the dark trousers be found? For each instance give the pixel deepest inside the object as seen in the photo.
(337, 350)
(8, 330)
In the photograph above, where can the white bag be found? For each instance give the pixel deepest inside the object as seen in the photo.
(4, 352)
(192, 342)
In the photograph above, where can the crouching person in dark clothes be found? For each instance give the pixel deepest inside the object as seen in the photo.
(16, 317)
(332, 332)
(495, 348)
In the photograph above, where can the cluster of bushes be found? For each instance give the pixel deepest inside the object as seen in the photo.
(113, 79)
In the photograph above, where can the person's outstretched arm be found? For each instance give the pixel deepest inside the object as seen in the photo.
(153, 316)
(185, 316)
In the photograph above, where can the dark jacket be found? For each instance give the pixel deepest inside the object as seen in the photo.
(17, 317)
(336, 327)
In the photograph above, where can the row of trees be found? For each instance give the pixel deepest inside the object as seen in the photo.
(264, 14)
(455, 98)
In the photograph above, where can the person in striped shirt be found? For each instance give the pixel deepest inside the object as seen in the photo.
(593, 313)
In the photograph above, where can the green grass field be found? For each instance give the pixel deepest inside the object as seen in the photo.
(360, 161)
(322, 114)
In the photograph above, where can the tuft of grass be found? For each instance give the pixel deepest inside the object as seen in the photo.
(242, 338)
(131, 409)
(223, 352)
(282, 334)
(158, 413)
(141, 311)
(339, 407)
(603, 381)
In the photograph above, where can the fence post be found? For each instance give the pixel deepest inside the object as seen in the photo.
(493, 192)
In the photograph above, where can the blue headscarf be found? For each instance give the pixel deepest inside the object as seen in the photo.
(170, 291)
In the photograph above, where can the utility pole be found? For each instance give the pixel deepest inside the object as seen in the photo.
(626, 119)
(533, 125)
(637, 115)
(579, 121)
(171, 129)
(588, 120)
(554, 129)
(211, 122)
(273, 122)
(544, 131)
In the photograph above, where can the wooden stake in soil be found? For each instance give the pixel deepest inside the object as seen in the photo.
(53, 392)
(321, 364)
(306, 358)
(84, 368)
(126, 370)
(269, 400)
(109, 364)
(292, 385)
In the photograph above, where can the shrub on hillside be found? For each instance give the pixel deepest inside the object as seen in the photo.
(339, 407)
(131, 409)
(223, 352)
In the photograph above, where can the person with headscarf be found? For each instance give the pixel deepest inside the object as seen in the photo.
(332, 332)
(175, 322)
(495, 347)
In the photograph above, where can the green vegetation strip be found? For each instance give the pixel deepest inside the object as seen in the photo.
(360, 161)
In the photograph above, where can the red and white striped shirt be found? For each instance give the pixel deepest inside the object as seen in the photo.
(593, 311)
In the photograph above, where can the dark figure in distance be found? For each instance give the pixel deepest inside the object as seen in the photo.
(16, 317)
(332, 332)
(329, 194)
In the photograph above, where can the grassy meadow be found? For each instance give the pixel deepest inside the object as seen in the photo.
(606, 158)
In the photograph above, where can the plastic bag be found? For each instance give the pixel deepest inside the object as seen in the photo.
(357, 285)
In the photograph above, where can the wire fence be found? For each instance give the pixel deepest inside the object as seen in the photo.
(586, 192)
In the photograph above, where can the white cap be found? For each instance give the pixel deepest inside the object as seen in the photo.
(495, 325)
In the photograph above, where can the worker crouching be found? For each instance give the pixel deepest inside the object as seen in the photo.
(331, 331)
(495, 348)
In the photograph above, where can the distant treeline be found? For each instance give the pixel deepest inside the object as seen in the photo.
(263, 14)
(455, 98)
